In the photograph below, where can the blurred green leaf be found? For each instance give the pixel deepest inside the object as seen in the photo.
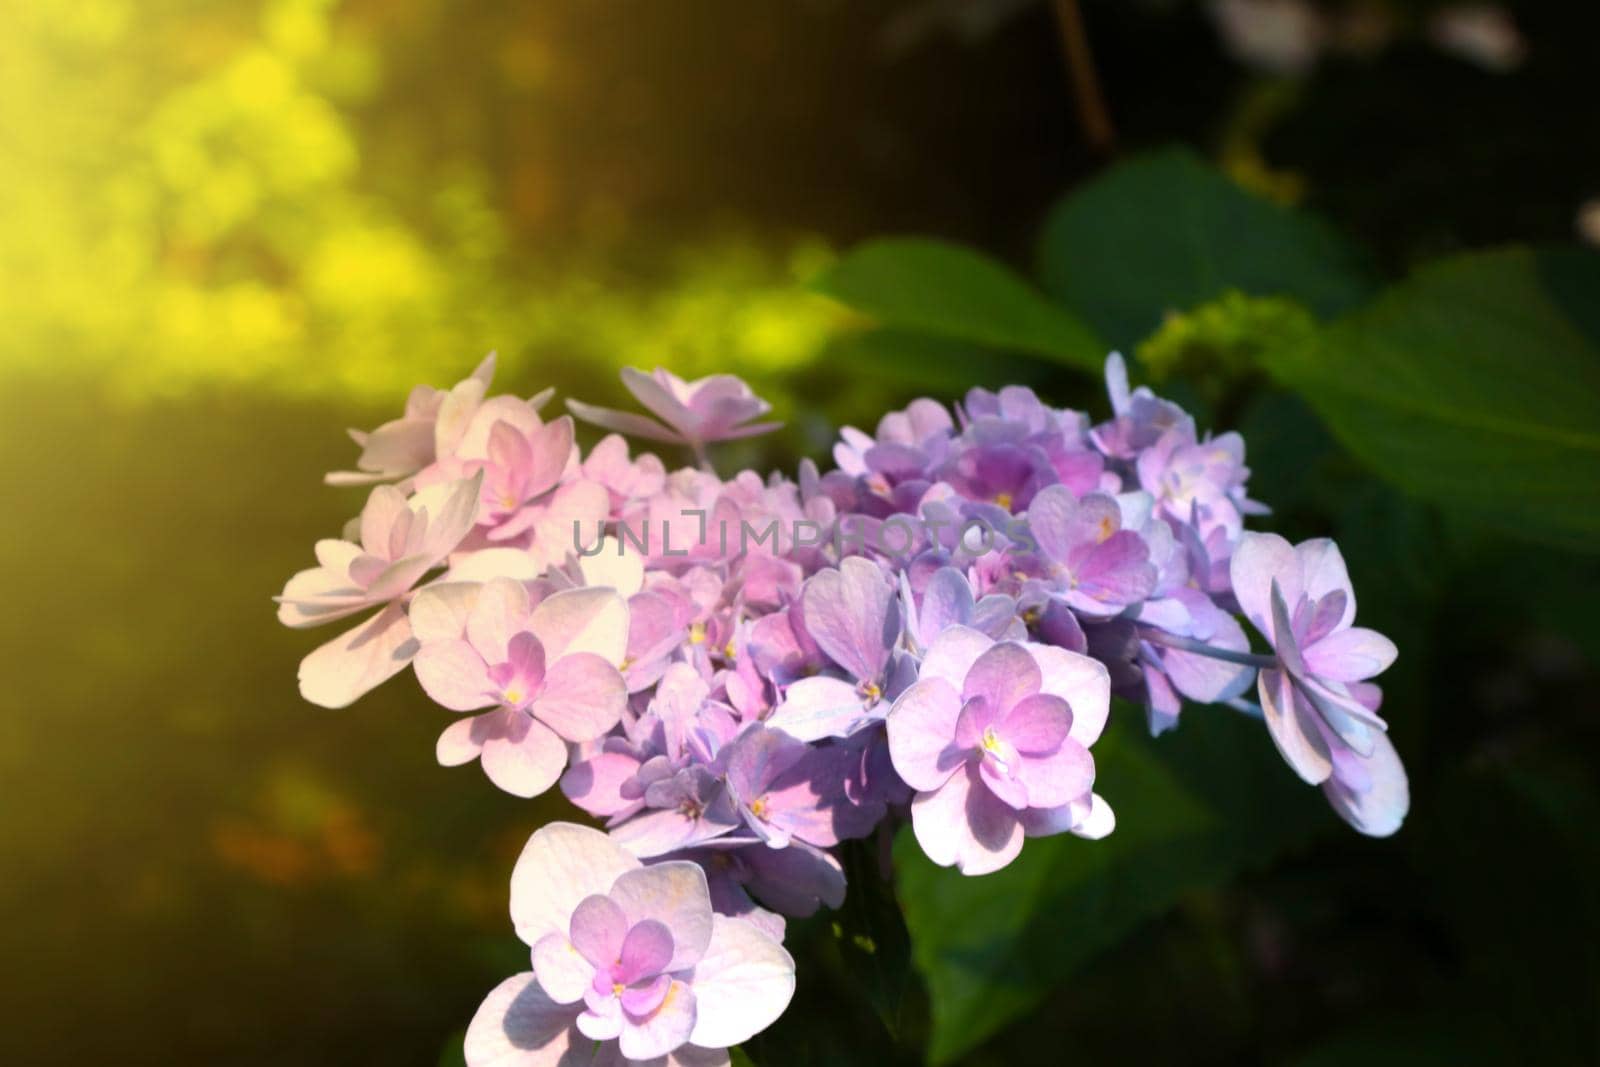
(1193, 809)
(1166, 232)
(872, 933)
(1471, 386)
(942, 289)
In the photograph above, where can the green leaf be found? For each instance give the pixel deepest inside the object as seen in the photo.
(1166, 232)
(932, 287)
(1193, 809)
(1475, 386)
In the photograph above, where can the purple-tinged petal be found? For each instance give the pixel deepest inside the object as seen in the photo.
(583, 697)
(953, 653)
(674, 894)
(1082, 682)
(461, 741)
(646, 951)
(1003, 676)
(596, 933)
(742, 984)
(852, 615)
(1322, 571)
(1351, 655)
(922, 728)
(1036, 725)
(962, 824)
(1293, 730)
(1257, 561)
(1057, 778)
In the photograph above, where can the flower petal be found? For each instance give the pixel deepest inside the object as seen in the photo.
(922, 727)
(562, 864)
(742, 984)
(674, 894)
(526, 763)
(340, 672)
(518, 1025)
(583, 697)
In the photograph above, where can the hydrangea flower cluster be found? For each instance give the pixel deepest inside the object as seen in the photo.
(734, 675)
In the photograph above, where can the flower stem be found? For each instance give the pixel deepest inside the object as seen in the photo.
(1200, 648)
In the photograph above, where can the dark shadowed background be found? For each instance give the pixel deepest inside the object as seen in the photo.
(229, 229)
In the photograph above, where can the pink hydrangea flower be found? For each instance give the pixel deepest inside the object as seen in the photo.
(402, 447)
(995, 739)
(399, 540)
(1318, 705)
(548, 671)
(697, 413)
(630, 956)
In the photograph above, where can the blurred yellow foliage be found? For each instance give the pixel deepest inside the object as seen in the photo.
(186, 205)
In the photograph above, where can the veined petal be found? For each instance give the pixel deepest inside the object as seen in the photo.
(561, 865)
(359, 660)
(742, 984)
(922, 728)
(518, 1025)
(674, 894)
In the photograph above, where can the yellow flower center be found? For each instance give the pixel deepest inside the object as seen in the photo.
(1004, 500)
(697, 633)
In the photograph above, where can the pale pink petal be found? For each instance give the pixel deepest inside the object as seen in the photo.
(1099, 822)
(561, 864)
(1378, 810)
(613, 567)
(674, 894)
(1257, 561)
(583, 697)
(317, 595)
(624, 422)
(953, 653)
(485, 564)
(1003, 676)
(1351, 655)
(1057, 778)
(501, 612)
(439, 612)
(359, 660)
(582, 620)
(664, 1029)
(454, 676)
(459, 743)
(742, 984)
(525, 765)
(517, 1025)
(922, 729)
(1082, 682)
(452, 508)
(1323, 571)
(383, 508)
(563, 973)
(962, 824)
(1298, 739)
(819, 707)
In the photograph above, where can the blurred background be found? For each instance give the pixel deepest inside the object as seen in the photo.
(230, 228)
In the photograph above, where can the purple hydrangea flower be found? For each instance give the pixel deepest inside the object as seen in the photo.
(853, 615)
(995, 739)
(625, 954)
(1092, 563)
(1317, 705)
